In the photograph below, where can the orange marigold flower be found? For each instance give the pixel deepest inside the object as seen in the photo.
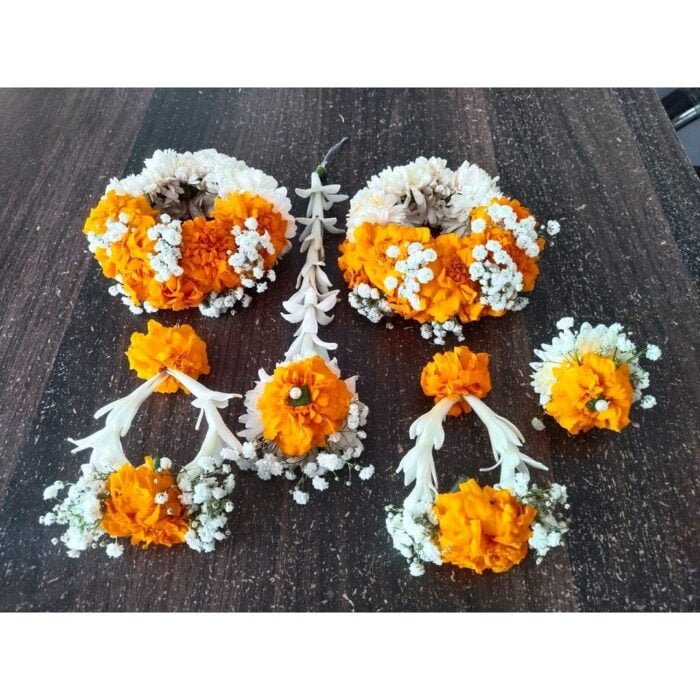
(303, 403)
(452, 374)
(128, 257)
(131, 509)
(364, 259)
(582, 388)
(483, 529)
(178, 348)
(205, 248)
(527, 266)
(351, 263)
(236, 207)
(112, 205)
(452, 292)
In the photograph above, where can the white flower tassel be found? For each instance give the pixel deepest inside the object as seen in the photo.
(418, 464)
(209, 402)
(310, 307)
(311, 304)
(106, 443)
(506, 440)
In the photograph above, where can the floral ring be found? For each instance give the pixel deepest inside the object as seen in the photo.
(190, 230)
(473, 527)
(439, 247)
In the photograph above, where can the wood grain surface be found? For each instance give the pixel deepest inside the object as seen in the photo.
(605, 163)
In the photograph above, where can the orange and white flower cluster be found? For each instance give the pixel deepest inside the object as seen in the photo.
(190, 230)
(150, 504)
(482, 528)
(439, 247)
(590, 377)
(303, 421)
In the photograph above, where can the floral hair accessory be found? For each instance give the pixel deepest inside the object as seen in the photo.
(151, 503)
(304, 421)
(474, 527)
(440, 247)
(190, 230)
(590, 378)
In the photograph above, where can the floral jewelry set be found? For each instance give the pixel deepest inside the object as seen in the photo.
(423, 242)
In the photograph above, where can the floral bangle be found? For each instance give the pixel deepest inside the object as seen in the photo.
(150, 503)
(590, 377)
(303, 421)
(474, 527)
(439, 247)
(190, 230)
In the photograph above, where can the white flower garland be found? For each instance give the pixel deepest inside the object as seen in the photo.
(424, 192)
(310, 308)
(204, 483)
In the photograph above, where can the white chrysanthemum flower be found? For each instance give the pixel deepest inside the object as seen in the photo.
(553, 228)
(478, 225)
(521, 484)
(328, 461)
(479, 253)
(248, 450)
(625, 344)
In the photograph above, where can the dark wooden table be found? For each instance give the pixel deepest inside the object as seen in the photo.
(605, 163)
